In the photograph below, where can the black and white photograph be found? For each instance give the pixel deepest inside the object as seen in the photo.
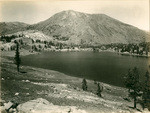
(75, 56)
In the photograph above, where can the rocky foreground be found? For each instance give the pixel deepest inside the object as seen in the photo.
(36, 90)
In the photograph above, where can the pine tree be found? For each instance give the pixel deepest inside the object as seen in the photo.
(128, 80)
(146, 91)
(133, 84)
(99, 90)
(84, 85)
(17, 57)
(137, 49)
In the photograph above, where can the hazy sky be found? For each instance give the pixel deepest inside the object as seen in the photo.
(134, 12)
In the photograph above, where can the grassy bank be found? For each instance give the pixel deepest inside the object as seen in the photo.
(59, 89)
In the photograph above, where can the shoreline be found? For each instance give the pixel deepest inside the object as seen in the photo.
(60, 89)
(24, 52)
(29, 53)
(12, 54)
(134, 55)
(109, 50)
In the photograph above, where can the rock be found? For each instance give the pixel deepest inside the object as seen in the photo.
(12, 110)
(16, 94)
(2, 109)
(27, 81)
(41, 105)
(137, 112)
(146, 111)
(127, 112)
(7, 105)
(27, 94)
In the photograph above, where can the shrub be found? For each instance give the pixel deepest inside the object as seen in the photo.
(84, 85)
(99, 90)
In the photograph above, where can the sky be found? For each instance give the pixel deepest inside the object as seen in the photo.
(133, 12)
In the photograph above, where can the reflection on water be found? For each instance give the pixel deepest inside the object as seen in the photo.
(104, 66)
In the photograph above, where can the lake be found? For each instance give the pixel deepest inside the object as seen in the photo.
(106, 67)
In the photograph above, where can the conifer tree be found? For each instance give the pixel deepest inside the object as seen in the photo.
(17, 57)
(128, 81)
(146, 91)
(84, 85)
(133, 84)
(99, 90)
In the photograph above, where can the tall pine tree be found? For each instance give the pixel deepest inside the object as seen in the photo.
(128, 81)
(17, 57)
(146, 91)
(133, 84)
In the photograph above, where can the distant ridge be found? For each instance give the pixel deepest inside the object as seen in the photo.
(11, 27)
(82, 28)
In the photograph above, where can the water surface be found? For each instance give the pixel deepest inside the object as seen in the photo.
(107, 67)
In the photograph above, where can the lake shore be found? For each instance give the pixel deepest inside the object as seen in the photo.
(134, 55)
(30, 59)
(60, 89)
(25, 52)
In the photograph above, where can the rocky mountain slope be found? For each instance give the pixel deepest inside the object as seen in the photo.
(32, 34)
(81, 28)
(90, 28)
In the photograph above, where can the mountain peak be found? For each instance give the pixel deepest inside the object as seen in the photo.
(78, 27)
(71, 12)
(91, 28)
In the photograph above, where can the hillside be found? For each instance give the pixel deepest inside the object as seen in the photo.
(40, 90)
(28, 39)
(73, 27)
(82, 28)
(11, 27)
(32, 34)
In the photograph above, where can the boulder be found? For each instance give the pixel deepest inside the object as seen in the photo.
(41, 105)
(146, 111)
(8, 105)
(2, 109)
